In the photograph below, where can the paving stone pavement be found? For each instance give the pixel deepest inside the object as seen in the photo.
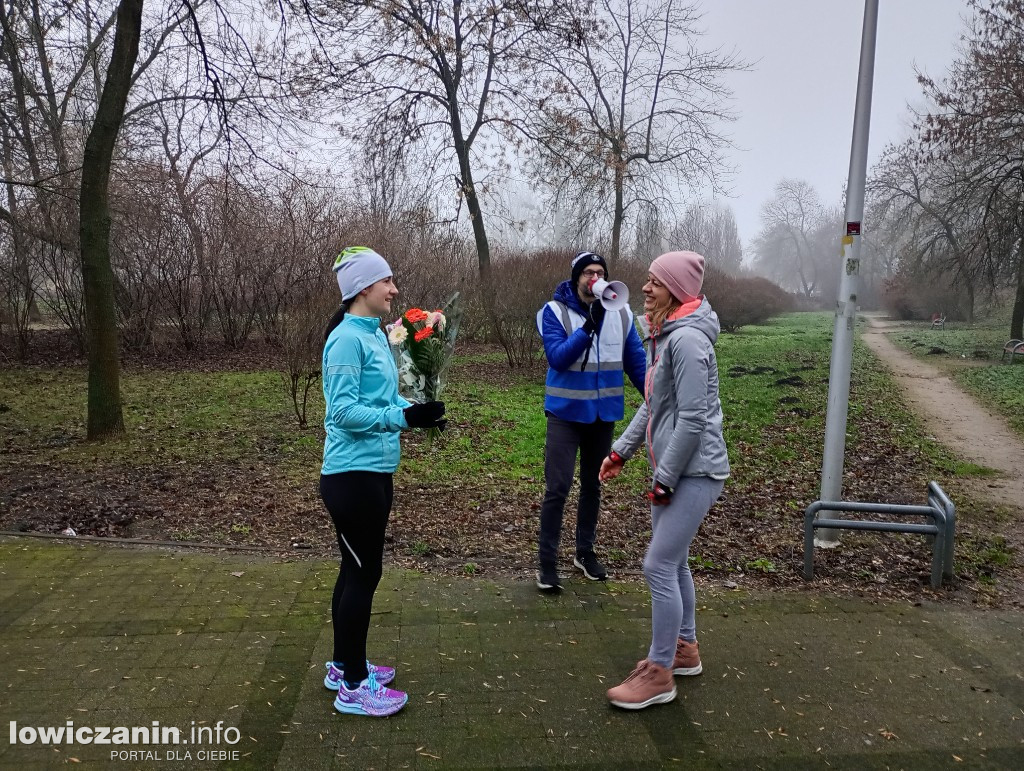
(499, 676)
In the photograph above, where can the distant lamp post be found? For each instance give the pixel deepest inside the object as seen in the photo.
(846, 305)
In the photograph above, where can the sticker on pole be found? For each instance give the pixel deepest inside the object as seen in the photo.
(853, 228)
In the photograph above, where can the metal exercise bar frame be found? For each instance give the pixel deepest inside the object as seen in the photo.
(939, 530)
(937, 497)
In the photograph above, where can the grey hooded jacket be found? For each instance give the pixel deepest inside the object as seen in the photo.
(681, 417)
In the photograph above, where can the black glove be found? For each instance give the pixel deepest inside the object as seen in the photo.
(426, 415)
(660, 495)
(594, 317)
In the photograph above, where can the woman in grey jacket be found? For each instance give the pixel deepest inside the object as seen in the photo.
(681, 423)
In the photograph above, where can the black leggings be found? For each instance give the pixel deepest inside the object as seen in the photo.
(359, 503)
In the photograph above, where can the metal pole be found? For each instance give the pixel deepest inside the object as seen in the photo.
(846, 305)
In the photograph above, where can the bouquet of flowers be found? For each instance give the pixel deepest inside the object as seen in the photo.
(422, 343)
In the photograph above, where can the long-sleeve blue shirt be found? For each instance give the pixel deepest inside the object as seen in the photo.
(364, 411)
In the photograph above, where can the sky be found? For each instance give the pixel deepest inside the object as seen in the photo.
(795, 104)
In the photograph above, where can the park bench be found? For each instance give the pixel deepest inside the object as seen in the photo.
(1013, 348)
(939, 511)
(939, 323)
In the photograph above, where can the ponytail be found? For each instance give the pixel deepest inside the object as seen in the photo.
(336, 318)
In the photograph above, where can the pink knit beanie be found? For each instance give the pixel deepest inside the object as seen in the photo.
(681, 272)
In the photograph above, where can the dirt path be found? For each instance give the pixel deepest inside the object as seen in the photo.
(954, 417)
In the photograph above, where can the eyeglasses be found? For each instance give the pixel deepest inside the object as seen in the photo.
(594, 273)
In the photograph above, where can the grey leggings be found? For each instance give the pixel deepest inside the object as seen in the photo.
(673, 604)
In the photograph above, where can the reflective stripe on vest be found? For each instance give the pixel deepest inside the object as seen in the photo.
(569, 393)
(598, 371)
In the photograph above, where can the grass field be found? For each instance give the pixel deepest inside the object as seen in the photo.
(219, 455)
(496, 414)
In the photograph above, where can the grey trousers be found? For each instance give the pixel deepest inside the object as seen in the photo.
(673, 602)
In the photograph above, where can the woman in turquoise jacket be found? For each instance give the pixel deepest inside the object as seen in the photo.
(364, 414)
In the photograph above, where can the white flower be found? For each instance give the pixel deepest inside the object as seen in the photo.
(397, 335)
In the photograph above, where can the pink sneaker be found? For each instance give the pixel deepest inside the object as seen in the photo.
(648, 684)
(687, 660)
(335, 674)
(369, 698)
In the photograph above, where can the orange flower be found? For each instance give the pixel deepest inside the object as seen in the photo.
(414, 315)
(423, 334)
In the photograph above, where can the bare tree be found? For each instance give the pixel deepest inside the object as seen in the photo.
(634, 111)
(49, 63)
(49, 73)
(784, 249)
(979, 116)
(930, 207)
(711, 230)
(190, 140)
(104, 415)
(448, 75)
(649, 232)
(17, 279)
(302, 335)
(142, 242)
(59, 85)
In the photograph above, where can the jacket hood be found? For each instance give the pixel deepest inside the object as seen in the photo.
(566, 293)
(703, 319)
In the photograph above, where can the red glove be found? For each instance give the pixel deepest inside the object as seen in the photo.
(660, 495)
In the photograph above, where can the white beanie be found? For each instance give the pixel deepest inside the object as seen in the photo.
(358, 267)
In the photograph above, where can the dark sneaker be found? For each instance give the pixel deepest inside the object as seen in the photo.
(548, 580)
(591, 568)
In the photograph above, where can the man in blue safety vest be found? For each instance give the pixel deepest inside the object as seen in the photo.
(588, 351)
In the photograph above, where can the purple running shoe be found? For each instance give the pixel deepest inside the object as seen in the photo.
(332, 681)
(369, 698)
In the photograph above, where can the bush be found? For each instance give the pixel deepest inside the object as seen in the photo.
(741, 300)
(302, 343)
(522, 283)
(916, 297)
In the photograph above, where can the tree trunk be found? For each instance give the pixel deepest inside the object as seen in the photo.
(192, 330)
(104, 401)
(803, 281)
(1017, 320)
(21, 296)
(483, 247)
(613, 255)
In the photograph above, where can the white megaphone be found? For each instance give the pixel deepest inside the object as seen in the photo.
(613, 294)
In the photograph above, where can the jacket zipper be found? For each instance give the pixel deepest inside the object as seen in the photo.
(648, 385)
